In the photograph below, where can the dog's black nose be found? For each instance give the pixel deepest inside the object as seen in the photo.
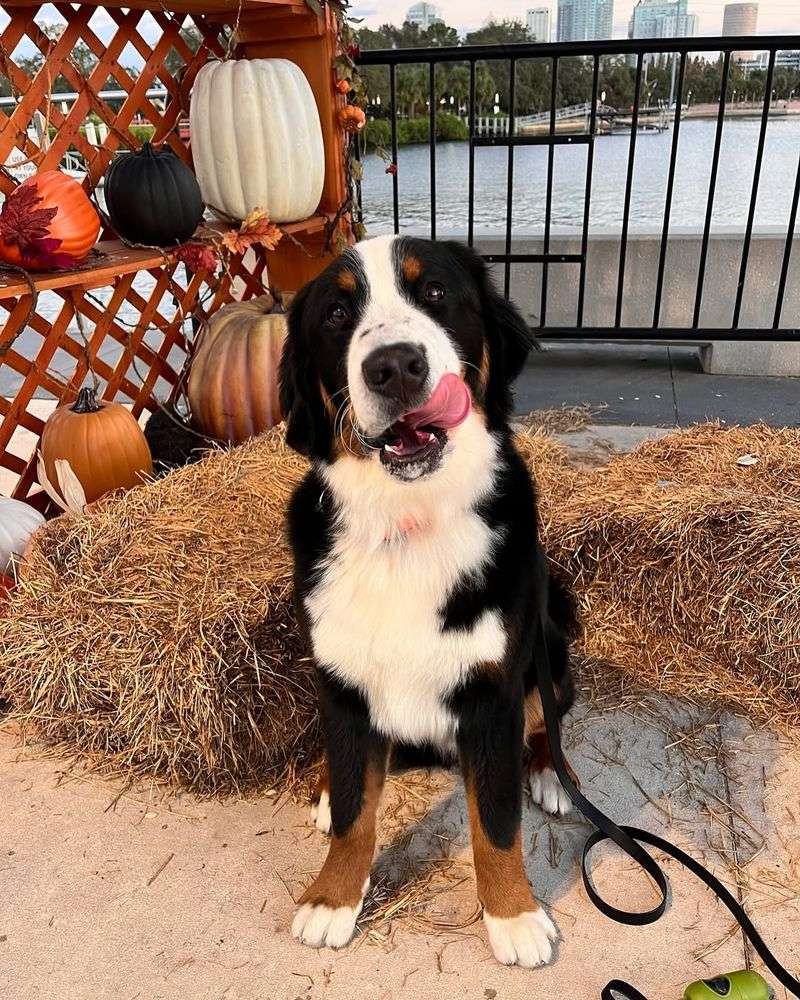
(397, 372)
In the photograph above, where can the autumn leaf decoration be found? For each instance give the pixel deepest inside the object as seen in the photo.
(24, 225)
(255, 231)
(211, 249)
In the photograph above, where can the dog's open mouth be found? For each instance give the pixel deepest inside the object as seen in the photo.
(410, 452)
(413, 446)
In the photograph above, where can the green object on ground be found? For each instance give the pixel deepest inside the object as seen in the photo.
(744, 985)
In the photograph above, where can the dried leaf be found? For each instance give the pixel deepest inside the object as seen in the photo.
(70, 485)
(255, 230)
(747, 460)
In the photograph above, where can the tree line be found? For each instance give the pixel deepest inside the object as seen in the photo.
(617, 78)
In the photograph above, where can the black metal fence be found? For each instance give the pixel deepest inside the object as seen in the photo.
(782, 328)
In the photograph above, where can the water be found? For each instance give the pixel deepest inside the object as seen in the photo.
(693, 168)
(692, 174)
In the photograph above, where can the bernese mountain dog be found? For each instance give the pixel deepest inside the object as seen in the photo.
(418, 573)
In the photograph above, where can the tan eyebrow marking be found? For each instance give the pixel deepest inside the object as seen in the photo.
(346, 280)
(412, 268)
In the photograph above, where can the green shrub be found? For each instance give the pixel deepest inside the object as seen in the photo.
(409, 130)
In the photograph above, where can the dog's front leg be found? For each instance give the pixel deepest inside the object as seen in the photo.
(356, 765)
(490, 745)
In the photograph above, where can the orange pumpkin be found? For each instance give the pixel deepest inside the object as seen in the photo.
(233, 382)
(47, 223)
(102, 444)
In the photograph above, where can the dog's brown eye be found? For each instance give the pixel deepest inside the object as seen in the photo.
(434, 291)
(337, 316)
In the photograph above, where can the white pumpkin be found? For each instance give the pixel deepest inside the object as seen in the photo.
(18, 521)
(257, 139)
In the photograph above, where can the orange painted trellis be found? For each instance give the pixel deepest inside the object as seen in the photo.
(127, 314)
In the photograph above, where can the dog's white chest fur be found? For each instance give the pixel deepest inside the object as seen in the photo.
(375, 611)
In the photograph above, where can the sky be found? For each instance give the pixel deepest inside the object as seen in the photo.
(774, 16)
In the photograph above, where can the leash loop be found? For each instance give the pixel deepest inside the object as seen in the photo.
(630, 840)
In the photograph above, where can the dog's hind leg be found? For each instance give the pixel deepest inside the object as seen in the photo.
(490, 744)
(356, 759)
(546, 790)
(321, 800)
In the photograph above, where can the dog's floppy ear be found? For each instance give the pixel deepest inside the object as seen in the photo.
(509, 338)
(308, 426)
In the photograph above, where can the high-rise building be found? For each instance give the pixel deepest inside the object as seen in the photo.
(662, 19)
(537, 21)
(424, 15)
(740, 19)
(583, 20)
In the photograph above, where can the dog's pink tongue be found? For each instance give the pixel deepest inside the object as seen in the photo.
(448, 406)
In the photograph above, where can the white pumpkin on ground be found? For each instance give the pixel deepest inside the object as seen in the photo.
(18, 521)
(257, 139)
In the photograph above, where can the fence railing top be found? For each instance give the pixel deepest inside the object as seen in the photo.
(606, 46)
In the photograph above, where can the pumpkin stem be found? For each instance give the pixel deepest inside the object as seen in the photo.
(86, 401)
(277, 300)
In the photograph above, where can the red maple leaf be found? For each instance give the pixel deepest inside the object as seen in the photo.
(28, 227)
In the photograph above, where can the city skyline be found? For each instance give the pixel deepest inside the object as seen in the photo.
(774, 17)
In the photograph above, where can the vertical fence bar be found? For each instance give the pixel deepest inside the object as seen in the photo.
(512, 96)
(751, 214)
(623, 247)
(587, 198)
(395, 191)
(471, 205)
(787, 253)
(548, 205)
(662, 257)
(712, 184)
(432, 141)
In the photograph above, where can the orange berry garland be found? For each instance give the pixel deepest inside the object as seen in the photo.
(352, 118)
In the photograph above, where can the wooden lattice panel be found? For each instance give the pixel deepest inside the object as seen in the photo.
(138, 325)
(33, 94)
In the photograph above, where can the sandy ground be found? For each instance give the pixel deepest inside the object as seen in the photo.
(134, 895)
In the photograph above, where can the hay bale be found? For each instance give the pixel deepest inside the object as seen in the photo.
(156, 635)
(687, 564)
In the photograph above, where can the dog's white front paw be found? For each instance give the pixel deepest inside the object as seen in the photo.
(321, 812)
(548, 792)
(317, 924)
(522, 940)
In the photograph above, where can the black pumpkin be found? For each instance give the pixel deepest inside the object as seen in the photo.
(152, 197)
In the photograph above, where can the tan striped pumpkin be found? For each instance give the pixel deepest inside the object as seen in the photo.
(233, 382)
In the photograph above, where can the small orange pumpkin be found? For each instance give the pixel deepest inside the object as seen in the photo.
(103, 445)
(352, 118)
(47, 223)
(233, 382)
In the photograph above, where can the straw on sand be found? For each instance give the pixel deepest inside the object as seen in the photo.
(155, 636)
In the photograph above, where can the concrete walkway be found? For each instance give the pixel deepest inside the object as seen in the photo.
(652, 386)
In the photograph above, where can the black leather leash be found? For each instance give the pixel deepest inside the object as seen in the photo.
(629, 839)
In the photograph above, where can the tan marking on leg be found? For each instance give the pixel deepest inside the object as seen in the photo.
(412, 268)
(346, 868)
(534, 716)
(502, 883)
(323, 782)
(346, 280)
